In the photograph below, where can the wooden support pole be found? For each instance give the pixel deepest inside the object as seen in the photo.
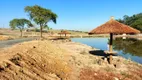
(110, 58)
(60, 35)
(111, 41)
(110, 47)
(65, 35)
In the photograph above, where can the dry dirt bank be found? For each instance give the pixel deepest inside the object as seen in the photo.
(62, 60)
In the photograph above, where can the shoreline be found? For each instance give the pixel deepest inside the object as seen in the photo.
(103, 50)
(71, 58)
(86, 59)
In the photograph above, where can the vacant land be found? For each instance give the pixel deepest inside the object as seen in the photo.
(62, 60)
(51, 33)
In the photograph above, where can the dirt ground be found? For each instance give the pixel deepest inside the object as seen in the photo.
(62, 60)
(54, 33)
(3, 37)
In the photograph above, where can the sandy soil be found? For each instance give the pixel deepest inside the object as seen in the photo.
(3, 37)
(62, 60)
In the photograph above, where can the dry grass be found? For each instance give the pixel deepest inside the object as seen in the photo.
(2, 38)
(16, 33)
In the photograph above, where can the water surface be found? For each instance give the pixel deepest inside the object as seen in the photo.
(129, 48)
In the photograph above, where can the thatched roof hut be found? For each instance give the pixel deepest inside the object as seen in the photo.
(64, 32)
(113, 27)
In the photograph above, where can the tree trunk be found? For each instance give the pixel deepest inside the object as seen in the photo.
(40, 31)
(21, 33)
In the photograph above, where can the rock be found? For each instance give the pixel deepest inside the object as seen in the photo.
(115, 78)
(95, 74)
(117, 65)
(1, 68)
(105, 60)
(100, 62)
(34, 47)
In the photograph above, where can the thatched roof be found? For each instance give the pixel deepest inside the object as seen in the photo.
(64, 32)
(113, 26)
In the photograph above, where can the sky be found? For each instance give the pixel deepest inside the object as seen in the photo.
(83, 15)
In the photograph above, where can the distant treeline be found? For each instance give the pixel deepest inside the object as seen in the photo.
(78, 31)
(134, 21)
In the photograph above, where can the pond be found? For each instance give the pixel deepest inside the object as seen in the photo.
(127, 48)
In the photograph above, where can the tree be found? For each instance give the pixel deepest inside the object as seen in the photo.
(134, 21)
(41, 16)
(46, 27)
(20, 24)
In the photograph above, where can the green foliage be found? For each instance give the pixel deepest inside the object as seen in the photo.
(41, 16)
(20, 24)
(30, 24)
(134, 21)
(37, 30)
(46, 27)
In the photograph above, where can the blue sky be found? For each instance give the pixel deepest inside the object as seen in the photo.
(72, 14)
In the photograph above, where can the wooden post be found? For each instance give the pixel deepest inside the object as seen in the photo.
(111, 41)
(110, 48)
(65, 34)
(60, 35)
(110, 58)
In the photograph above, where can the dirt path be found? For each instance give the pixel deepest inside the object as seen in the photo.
(9, 43)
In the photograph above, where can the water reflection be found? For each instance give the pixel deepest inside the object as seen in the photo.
(128, 48)
(131, 46)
